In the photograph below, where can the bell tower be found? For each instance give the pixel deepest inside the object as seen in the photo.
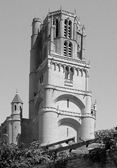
(59, 99)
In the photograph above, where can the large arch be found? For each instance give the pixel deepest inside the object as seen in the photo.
(69, 102)
(68, 128)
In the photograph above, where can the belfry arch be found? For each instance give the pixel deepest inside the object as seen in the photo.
(68, 128)
(75, 104)
(70, 109)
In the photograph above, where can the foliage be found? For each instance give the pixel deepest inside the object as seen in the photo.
(106, 153)
(12, 156)
(17, 157)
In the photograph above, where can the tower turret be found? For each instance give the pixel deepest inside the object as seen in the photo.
(35, 30)
(35, 58)
(16, 114)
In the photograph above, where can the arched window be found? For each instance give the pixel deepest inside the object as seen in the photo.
(71, 73)
(67, 132)
(66, 72)
(70, 49)
(69, 29)
(68, 103)
(57, 27)
(41, 79)
(65, 28)
(53, 22)
(15, 107)
(92, 112)
(65, 48)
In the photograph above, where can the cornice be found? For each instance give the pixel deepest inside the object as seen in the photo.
(68, 60)
(59, 61)
(63, 89)
(71, 90)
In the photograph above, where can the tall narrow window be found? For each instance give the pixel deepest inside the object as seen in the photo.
(41, 79)
(67, 102)
(70, 49)
(65, 48)
(67, 132)
(53, 22)
(69, 29)
(66, 72)
(71, 73)
(15, 107)
(57, 28)
(65, 28)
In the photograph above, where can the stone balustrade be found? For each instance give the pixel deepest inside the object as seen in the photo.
(66, 113)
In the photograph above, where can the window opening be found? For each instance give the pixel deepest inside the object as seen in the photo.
(92, 112)
(65, 48)
(71, 73)
(66, 72)
(67, 132)
(41, 79)
(53, 22)
(56, 27)
(67, 102)
(65, 28)
(70, 49)
(15, 107)
(69, 29)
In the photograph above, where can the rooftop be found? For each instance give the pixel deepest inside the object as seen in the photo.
(16, 99)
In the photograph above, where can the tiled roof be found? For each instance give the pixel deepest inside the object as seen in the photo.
(17, 99)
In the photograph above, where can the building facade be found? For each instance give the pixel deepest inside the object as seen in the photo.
(60, 104)
(59, 99)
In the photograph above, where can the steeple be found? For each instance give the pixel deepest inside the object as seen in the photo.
(17, 99)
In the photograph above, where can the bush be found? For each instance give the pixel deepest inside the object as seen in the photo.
(12, 156)
(16, 157)
(105, 154)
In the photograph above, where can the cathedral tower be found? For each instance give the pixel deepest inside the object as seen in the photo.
(59, 99)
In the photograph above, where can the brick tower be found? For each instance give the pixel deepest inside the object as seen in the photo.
(59, 99)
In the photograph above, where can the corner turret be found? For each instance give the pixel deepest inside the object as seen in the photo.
(15, 119)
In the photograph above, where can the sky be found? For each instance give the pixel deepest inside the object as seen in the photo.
(99, 18)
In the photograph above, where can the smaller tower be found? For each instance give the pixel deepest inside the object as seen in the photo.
(15, 119)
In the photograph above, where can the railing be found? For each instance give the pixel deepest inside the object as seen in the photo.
(64, 112)
(62, 11)
(69, 59)
(88, 114)
(68, 113)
